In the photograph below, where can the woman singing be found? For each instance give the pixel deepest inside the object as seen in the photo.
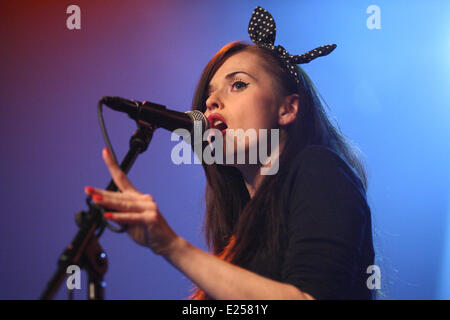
(301, 233)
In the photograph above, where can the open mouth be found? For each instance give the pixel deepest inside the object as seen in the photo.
(216, 121)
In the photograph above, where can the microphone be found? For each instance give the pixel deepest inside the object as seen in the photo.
(158, 115)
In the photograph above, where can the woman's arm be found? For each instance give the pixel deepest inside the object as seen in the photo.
(146, 225)
(223, 280)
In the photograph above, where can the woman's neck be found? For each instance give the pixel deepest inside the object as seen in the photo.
(252, 178)
(251, 173)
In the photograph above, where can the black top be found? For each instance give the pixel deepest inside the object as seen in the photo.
(329, 233)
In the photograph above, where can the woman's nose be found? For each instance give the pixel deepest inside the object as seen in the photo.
(213, 102)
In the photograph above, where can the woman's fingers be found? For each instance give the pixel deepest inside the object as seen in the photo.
(118, 204)
(126, 202)
(90, 191)
(130, 217)
(117, 174)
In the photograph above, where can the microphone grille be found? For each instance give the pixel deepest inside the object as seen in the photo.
(201, 124)
(199, 118)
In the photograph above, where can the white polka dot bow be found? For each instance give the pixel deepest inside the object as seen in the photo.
(262, 30)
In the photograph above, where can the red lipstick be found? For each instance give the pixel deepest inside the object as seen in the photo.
(216, 121)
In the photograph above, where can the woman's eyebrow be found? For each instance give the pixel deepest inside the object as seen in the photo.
(228, 76)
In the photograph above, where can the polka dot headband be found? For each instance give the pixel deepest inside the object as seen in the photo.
(262, 30)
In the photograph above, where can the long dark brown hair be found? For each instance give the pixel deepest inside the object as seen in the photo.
(247, 232)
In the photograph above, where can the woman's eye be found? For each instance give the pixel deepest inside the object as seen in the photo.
(239, 85)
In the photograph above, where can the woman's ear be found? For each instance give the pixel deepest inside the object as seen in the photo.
(288, 109)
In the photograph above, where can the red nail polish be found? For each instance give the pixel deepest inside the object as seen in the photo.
(97, 197)
(89, 190)
(107, 215)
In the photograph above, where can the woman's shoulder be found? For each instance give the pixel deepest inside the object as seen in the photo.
(316, 155)
(320, 161)
(320, 170)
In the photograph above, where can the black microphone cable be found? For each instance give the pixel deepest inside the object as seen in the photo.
(111, 151)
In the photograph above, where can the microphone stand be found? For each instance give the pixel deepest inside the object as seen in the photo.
(84, 250)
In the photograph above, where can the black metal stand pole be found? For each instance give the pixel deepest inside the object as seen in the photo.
(84, 250)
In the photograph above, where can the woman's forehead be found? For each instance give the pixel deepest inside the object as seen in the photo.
(243, 61)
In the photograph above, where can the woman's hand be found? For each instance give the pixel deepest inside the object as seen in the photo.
(139, 211)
